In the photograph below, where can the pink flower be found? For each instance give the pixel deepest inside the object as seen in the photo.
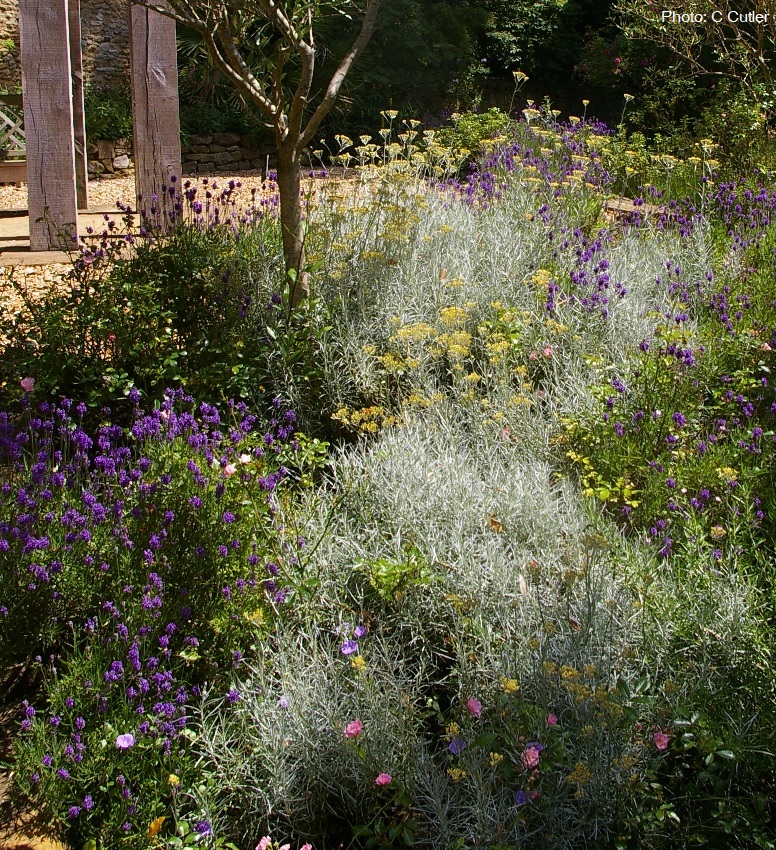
(548, 351)
(660, 740)
(530, 758)
(306, 847)
(384, 779)
(552, 720)
(264, 843)
(125, 742)
(28, 384)
(230, 469)
(533, 355)
(474, 706)
(354, 729)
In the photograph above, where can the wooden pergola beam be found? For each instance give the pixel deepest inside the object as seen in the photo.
(79, 118)
(155, 113)
(48, 121)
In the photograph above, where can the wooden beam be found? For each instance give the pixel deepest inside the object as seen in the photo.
(79, 119)
(48, 120)
(156, 121)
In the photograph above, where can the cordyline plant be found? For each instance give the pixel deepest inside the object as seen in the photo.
(279, 84)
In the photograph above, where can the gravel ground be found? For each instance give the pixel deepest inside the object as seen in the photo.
(103, 193)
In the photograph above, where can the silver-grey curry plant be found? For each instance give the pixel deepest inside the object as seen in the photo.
(281, 88)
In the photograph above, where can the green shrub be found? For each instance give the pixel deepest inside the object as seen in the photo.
(179, 309)
(108, 112)
(473, 131)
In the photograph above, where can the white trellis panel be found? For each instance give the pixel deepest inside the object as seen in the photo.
(12, 138)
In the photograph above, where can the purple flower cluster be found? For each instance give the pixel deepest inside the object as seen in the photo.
(98, 533)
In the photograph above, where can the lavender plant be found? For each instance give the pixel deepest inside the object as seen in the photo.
(135, 569)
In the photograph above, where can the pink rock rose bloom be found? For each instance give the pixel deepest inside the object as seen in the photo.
(474, 706)
(28, 384)
(552, 720)
(660, 740)
(530, 758)
(384, 779)
(354, 729)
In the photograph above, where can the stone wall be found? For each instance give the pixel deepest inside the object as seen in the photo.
(217, 152)
(223, 152)
(109, 159)
(104, 37)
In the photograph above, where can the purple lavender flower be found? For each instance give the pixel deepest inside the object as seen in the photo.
(457, 745)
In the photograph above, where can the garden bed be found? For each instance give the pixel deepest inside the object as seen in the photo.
(478, 542)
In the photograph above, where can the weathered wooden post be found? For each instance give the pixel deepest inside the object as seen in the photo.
(79, 119)
(156, 121)
(48, 120)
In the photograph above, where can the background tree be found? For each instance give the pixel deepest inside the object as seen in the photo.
(718, 43)
(267, 50)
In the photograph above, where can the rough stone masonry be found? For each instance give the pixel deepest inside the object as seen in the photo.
(105, 40)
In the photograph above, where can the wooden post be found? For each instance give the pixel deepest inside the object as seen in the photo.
(156, 121)
(79, 120)
(48, 120)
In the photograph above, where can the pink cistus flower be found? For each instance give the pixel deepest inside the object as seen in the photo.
(552, 720)
(230, 469)
(660, 740)
(474, 706)
(354, 729)
(28, 384)
(530, 758)
(384, 779)
(124, 742)
(264, 843)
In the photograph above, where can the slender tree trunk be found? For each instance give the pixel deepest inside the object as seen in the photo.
(292, 222)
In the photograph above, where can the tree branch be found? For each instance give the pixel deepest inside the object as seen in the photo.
(332, 90)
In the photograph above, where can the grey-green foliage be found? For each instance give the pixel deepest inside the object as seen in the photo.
(546, 588)
(281, 754)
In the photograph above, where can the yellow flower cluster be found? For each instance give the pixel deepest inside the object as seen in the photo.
(509, 686)
(579, 777)
(367, 420)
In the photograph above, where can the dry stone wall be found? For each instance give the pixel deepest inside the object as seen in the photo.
(104, 35)
(223, 152)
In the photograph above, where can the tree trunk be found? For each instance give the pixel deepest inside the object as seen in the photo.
(292, 223)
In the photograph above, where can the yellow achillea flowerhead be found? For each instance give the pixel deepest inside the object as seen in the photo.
(451, 730)
(509, 686)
